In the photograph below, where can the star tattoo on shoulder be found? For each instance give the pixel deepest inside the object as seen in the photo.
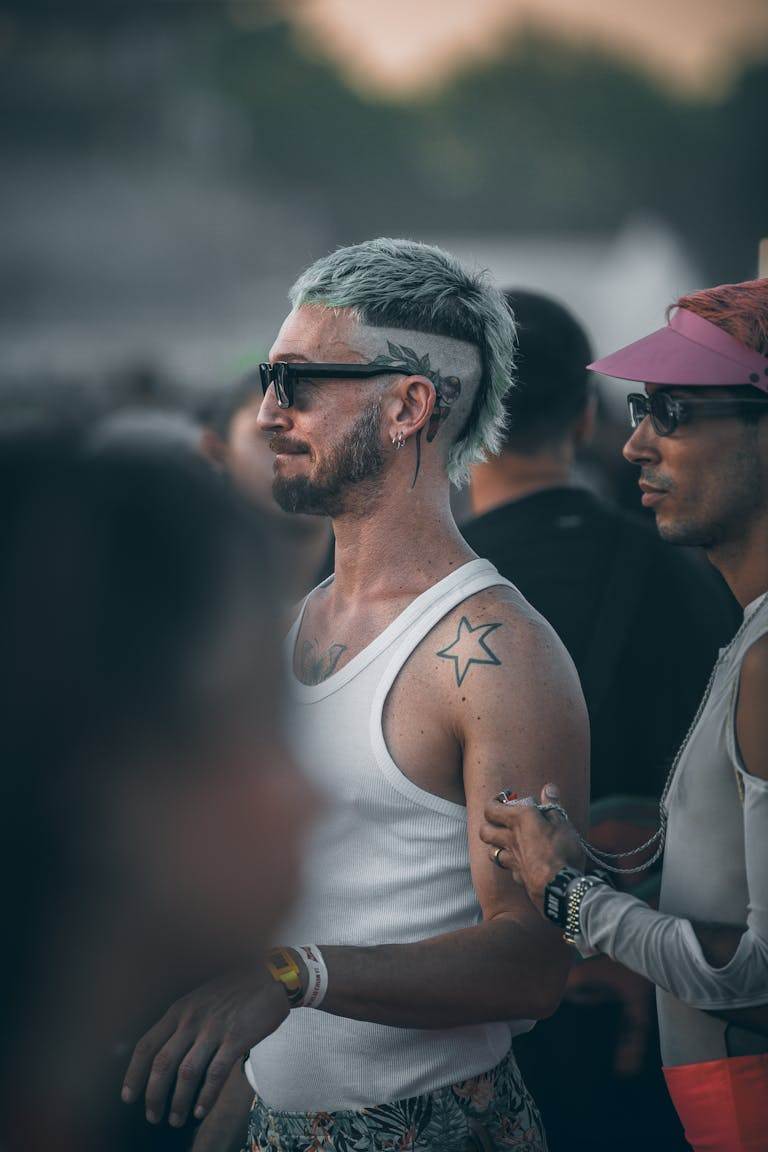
(470, 647)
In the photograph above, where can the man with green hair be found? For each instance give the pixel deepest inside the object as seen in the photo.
(420, 683)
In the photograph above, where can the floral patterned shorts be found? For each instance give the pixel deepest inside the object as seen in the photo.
(488, 1113)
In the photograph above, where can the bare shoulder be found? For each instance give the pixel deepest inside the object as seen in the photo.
(498, 628)
(751, 713)
(511, 694)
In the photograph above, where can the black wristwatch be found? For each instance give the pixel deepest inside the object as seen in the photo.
(563, 896)
(556, 895)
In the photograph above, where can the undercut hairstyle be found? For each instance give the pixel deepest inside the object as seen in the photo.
(553, 385)
(741, 310)
(407, 285)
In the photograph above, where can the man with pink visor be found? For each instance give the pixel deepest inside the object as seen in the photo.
(700, 439)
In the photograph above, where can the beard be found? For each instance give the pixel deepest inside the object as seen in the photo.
(722, 513)
(347, 478)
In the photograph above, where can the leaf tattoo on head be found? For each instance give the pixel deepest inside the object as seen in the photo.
(317, 666)
(448, 388)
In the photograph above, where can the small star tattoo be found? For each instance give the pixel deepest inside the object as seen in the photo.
(470, 648)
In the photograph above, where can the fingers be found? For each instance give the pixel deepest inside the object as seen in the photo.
(218, 1073)
(512, 815)
(162, 1075)
(190, 1075)
(494, 836)
(144, 1053)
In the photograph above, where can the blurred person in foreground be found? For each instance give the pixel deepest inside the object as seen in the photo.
(596, 574)
(420, 681)
(700, 440)
(232, 440)
(146, 839)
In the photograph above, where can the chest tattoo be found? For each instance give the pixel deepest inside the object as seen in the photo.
(317, 666)
(470, 647)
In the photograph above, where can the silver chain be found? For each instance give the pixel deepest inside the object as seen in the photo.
(600, 857)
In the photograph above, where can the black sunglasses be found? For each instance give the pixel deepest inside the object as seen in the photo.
(667, 412)
(284, 375)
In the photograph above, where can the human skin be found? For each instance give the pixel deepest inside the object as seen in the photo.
(462, 728)
(708, 485)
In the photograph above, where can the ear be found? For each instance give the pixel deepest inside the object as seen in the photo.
(410, 405)
(213, 448)
(584, 428)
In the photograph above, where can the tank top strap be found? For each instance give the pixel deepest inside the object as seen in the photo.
(477, 581)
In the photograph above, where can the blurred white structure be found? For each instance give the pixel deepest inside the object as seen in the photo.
(619, 286)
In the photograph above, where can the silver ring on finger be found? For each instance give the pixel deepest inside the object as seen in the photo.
(495, 857)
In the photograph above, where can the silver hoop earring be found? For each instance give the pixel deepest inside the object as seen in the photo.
(398, 440)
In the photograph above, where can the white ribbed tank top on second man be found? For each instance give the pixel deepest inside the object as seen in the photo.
(388, 863)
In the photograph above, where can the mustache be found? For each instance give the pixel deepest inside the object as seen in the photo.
(278, 443)
(656, 480)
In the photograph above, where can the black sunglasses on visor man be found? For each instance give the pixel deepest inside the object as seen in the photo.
(667, 412)
(284, 375)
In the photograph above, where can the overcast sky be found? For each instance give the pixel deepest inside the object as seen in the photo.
(693, 45)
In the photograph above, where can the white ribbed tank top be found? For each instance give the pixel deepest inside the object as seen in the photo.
(704, 873)
(388, 863)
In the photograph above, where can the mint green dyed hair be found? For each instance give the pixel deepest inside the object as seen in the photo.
(403, 284)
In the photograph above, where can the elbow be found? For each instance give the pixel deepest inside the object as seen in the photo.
(549, 1000)
(541, 1000)
(549, 1006)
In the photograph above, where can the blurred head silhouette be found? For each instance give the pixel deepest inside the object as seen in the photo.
(144, 809)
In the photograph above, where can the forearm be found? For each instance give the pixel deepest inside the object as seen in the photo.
(498, 970)
(705, 966)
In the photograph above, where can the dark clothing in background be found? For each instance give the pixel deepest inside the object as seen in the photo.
(662, 611)
(643, 622)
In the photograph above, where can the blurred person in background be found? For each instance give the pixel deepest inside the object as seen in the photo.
(232, 440)
(146, 839)
(596, 573)
(700, 440)
(420, 681)
(592, 571)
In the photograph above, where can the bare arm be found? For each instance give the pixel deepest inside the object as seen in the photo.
(519, 721)
(722, 969)
(519, 718)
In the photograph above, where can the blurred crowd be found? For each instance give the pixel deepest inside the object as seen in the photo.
(153, 816)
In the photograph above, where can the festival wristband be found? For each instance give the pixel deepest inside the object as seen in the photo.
(317, 984)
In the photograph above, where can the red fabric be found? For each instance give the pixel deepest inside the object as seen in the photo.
(723, 1104)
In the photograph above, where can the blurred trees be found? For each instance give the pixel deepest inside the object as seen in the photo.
(546, 137)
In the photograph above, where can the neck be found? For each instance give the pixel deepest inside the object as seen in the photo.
(305, 546)
(405, 541)
(511, 476)
(743, 563)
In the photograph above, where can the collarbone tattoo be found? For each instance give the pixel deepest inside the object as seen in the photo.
(470, 647)
(317, 666)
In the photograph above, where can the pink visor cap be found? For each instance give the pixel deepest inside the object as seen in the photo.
(690, 351)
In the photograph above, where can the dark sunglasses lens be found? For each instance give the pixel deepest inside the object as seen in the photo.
(283, 388)
(638, 408)
(663, 413)
(276, 374)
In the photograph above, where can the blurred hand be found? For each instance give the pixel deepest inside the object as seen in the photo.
(189, 1054)
(535, 845)
(226, 1125)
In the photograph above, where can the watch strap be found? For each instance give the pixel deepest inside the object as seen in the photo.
(283, 968)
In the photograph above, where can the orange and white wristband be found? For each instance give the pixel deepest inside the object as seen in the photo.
(317, 982)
